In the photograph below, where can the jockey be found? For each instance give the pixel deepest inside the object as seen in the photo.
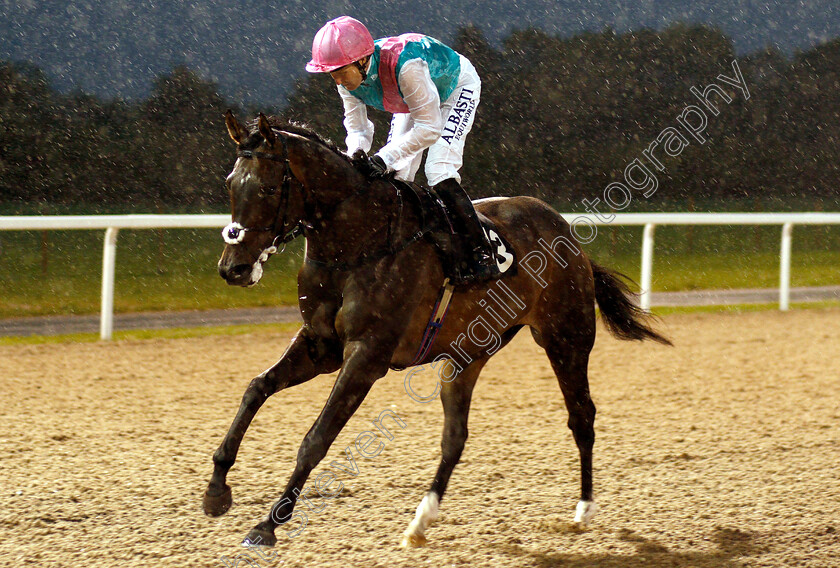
(433, 92)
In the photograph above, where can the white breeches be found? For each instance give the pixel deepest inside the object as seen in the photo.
(458, 111)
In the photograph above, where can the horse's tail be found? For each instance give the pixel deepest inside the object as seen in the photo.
(623, 317)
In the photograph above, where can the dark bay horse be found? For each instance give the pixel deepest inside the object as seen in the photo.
(367, 288)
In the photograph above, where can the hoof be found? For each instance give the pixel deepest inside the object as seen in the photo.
(584, 512)
(413, 541)
(259, 537)
(217, 505)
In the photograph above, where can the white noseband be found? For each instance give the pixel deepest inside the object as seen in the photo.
(233, 233)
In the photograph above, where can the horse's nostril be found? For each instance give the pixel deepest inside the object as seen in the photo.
(239, 271)
(235, 273)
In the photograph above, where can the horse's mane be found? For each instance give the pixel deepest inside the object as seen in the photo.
(298, 129)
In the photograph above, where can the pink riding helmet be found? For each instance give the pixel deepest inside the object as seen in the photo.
(340, 42)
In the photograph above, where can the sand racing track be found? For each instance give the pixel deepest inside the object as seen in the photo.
(721, 452)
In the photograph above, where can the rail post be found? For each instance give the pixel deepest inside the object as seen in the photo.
(784, 267)
(109, 258)
(647, 266)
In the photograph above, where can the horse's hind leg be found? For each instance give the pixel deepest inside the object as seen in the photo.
(455, 396)
(569, 355)
(307, 357)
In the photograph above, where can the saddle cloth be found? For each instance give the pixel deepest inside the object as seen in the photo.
(435, 217)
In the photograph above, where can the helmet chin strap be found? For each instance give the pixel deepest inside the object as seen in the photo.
(362, 69)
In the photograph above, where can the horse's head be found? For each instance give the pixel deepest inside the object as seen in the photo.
(264, 211)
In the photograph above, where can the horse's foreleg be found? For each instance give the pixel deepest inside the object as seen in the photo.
(455, 396)
(362, 368)
(307, 357)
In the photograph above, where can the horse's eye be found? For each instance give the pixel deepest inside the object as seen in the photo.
(268, 189)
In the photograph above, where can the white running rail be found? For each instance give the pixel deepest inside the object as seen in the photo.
(111, 224)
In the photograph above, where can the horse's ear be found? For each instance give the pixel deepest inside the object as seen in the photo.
(236, 131)
(266, 131)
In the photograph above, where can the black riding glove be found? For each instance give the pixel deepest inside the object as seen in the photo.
(371, 166)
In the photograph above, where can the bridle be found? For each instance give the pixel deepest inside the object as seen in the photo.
(235, 232)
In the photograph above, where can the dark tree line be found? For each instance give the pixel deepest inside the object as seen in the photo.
(560, 118)
(167, 150)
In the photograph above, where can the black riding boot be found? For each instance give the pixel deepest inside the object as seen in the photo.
(475, 260)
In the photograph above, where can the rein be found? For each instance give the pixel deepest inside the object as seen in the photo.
(366, 258)
(389, 250)
(234, 233)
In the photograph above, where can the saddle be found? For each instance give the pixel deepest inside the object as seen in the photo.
(437, 226)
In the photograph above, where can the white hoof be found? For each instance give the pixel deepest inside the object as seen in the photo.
(584, 512)
(427, 512)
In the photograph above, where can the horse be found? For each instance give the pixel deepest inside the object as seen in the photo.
(367, 286)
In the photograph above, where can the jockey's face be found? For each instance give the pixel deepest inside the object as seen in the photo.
(350, 76)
